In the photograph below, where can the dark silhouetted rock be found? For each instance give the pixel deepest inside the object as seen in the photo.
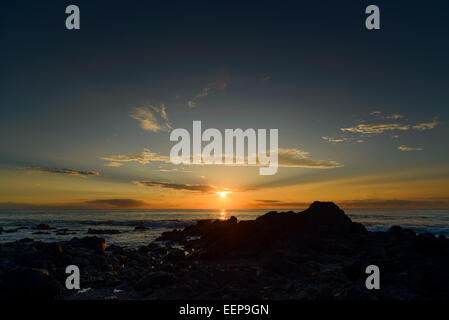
(140, 227)
(43, 226)
(156, 280)
(95, 244)
(29, 284)
(102, 231)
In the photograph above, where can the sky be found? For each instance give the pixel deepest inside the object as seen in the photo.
(86, 114)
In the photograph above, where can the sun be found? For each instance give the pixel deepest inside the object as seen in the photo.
(223, 194)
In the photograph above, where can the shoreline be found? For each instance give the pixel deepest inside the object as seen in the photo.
(317, 254)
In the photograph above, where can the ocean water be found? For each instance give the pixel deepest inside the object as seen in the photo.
(158, 221)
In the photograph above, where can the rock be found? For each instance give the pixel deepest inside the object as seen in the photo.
(11, 230)
(29, 284)
(176, 255)
(140, 227)
(355, 271)
(81, 262)
(155, 280)
(102, 231)
(43, 226)
(100, 263)
(95, 244)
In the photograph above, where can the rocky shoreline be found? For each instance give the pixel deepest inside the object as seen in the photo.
(317, 254)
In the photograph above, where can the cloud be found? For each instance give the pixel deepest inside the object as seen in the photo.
(144, 157)
(280, 204)
(287, 157)
(202, 188)
(206, 91)
(161, 111)
(148, 120)
(114, 164)
(405, 148)
(118, 203)
(398, 124)
(376, 128)
(366, 203)
(71, 172)
(211, 87)
(78, 205)
(395, 203)
(333, 140)
(379, 114)
(291, 157)
(395, 116)
(264, 78)
(426, 125)
(379, 128)
(342, 139)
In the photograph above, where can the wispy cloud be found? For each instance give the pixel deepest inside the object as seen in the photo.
(287, 157)
(199, 188)
(148, 120)
(393, 116)
(398, 123)
(291, 157)
(426, 125)
(405, 148)
(206, 91)
(395, 203)
(114, 164)
(264, 78)
(281, 204)
(342, 139)
(66, 171)
(211, 87)
(365, 203)
(118, 203)
(376, 128)
(333, 140)
(144, 157)
(202, 188)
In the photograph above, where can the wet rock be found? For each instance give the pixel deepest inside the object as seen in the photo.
(102, 231)
(95, 244)
(11, 230)
(175, 255)
(43, 226)
(140, 227)
(355, 271)
(155, 280)
(100, 262)
(29, 283)
(79, 261)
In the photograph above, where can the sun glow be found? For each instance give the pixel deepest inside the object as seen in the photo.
(223, 194)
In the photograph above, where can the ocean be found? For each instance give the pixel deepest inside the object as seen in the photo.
(19, 224)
